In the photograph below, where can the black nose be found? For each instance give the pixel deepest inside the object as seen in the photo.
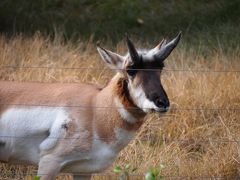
(161, 103)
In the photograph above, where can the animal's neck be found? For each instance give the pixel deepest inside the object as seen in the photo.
(121, 112)
(127, 108)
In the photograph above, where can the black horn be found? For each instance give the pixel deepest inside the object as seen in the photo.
(166, 50)
(132, 51)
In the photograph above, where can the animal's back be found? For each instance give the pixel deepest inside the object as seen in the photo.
(45, 94)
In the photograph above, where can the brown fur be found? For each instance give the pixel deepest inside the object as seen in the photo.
(76, 98)
(45, 94)
(110, 118)
(86, 103)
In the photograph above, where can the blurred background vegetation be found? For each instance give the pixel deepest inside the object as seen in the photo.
(207, 21)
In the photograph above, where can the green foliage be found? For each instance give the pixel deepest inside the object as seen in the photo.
(155, 173)
(210, 21)
(124, 172)
(117, 169)
(152, 174)
(37, 178)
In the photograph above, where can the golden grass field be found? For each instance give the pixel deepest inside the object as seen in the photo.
(200, 136)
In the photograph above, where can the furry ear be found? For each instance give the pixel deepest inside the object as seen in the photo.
(114, 60)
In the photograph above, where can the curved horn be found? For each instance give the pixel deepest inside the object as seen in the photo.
(166, 50)
(132, 51)
(158, 47)
(161, 44)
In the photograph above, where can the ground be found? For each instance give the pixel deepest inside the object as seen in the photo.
(198, 137)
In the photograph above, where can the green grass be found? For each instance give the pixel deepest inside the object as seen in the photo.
(208, 21)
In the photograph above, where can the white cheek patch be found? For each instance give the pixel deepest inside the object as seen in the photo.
(139, 97)
(124, 112)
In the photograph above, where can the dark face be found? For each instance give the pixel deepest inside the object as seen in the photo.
(154, 90)
(143, 71)
(145, 86)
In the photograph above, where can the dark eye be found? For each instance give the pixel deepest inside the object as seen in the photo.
(132, 72)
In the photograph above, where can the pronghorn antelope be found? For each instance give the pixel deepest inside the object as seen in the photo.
(79, 128)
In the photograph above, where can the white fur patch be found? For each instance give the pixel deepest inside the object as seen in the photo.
(97, 159)
(27, 130)
(123, 137)
(101, 149)
(101, 155)
(147, 56)
(139, 97)
(124, 112)
(56, 131)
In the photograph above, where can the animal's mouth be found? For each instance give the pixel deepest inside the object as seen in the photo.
(162, 109)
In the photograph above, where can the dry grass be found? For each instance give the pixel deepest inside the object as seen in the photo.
(187, 142)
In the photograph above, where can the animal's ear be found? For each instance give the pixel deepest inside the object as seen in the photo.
(114, 60)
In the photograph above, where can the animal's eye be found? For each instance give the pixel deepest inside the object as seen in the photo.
(132, 72)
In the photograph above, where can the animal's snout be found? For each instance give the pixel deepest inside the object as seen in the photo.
(163, 104)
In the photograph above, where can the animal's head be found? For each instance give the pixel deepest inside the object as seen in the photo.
(142, 70)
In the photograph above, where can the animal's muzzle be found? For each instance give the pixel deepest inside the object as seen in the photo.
(163, 105)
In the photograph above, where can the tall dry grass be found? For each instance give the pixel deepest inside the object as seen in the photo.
(198, 137)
